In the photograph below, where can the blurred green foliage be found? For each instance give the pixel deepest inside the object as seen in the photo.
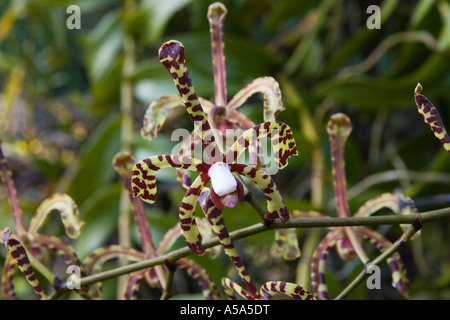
(61, 120)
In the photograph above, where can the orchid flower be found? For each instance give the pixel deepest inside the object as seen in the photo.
(222, 115)
(268, 290)
(348, 240)
(221, 169)
(155, 277)
(27, 245)
(431, 116)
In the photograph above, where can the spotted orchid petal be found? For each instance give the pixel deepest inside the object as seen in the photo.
(216, 17)
(157, 113)
(172, 56)
(199, 274)
(70, 217)
(20, 256)
(207, 231)
(131, 289)
(431, 116)
(62, 249)
(94, 262)
(318, 263)
(7, 285)
(66, 253)
(272, 289)
(230, 287)
(286, 243)
(217, 222)
(160, 109)
(269, 290)
(307, 214)
(397, 202)
(189, 148)
(189, 229)
(286, 240)
(143, 173)
(37, 243)
(283, 142)
(193, 269)
(339, 128)
(68, 209)
(123, 163)
(269, 88)
(239, 118)
(275, 204)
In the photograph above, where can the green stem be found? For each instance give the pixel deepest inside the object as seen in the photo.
(167, 293)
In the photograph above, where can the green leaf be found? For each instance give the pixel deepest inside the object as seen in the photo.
(374, 93)
(284, 10)
(158, 14)
(103, 44)
(151, 80)
(421, 10)
(100, 213)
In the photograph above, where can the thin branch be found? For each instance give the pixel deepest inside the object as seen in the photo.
(168, 287)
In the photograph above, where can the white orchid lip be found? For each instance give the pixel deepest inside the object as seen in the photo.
(222, 180)
(230, 200)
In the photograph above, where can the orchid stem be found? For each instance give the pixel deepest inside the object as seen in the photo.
(167, 293)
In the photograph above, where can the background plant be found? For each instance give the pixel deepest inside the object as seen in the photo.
(64, 105)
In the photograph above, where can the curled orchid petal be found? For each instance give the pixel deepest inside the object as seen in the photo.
(431, 116)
